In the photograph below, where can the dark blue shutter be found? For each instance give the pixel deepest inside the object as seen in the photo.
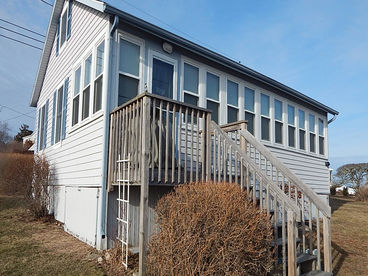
(53, 120)
(65, 108)
(57, 38)
(38, 130)
(69, 25)
(45, 121)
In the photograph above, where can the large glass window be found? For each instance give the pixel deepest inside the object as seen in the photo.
(301, 129)
(59, 113)
(212, 92)
(191, 84)
(265, 119)
(97, 99)
(321, 138)
(86, 87)
(278, 121)
(249, 108)
(291, 125)
(162, 78)
(232, 101)
(77, 87)
(312, 135)
(129, 74)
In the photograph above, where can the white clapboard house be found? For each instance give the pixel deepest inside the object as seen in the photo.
(127, 110)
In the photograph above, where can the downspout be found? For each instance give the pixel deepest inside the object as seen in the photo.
(105, 137)
(332, 119)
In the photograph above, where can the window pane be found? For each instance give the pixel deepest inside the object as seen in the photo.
(302, 139)
(265, 105)
(75, 115)
(312, 140)
(311, 123)
(63, 29)
(232, 93)
(301, 119)
(278, 132)
(87, 70)
(291, 135)
(321, 145)
(100, 58)
(191, 78)
(162, 78)
(59, 114)
(42, 130)
(85, 105)
(77, 79)
(215, 110)
(232, 114)
(291, 115)
(129, 57)
(128, 89)
(213, 86)
(98, 95)
(320, 127)
(249, 99)
(250, 125)
(265, 128)
(190, 99)
(278, 110)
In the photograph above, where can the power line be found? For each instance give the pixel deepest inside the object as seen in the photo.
(21, 42)
(9, 30)
(47, 3)
(12, 109)
(16, 117)
(21, 27)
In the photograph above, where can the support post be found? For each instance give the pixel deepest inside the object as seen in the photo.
(327, 244)
(291, 243)
(208, 147)
(243, 142)
(143, 218)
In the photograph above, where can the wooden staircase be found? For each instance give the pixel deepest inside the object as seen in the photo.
(170, 143)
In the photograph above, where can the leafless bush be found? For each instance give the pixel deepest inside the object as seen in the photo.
(362, 193)
(210, 229)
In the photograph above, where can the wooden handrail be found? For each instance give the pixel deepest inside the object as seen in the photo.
(238, 125)
(322, 206)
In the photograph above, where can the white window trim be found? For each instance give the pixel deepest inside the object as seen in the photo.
(292, 125)
(269, 117)
(283, 138)
(64, 10)
(61, 84)
(300, 128)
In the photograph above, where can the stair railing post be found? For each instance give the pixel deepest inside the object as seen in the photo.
(327, 244)
(243, 142)
(143, 219)
(291, 243)
(208, 146)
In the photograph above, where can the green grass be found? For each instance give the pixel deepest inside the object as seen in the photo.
(38, 248)
(349, 227)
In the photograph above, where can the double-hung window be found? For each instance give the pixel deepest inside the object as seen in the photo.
(86, 87)
(321, 135)
(97, 99)
(265, 117)
(312, 134)
(278, 121)
(77, 88)
(42, 126)
(291, 126)
(301, 129)
(212, 93)
(64, 27)
(191, 84)
(59, 113)
(232, 101)
(129, 70)
(249, 108)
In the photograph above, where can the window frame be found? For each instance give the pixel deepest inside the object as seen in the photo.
(312, 132)
(65, 11)
(269, 140)
(278, 121)
(57, 112)
(42, 127)
(96, 76)
(293, 126)
(183, 92)
(79, 66)
(321, 136)
(89, 85)
(304, 129)
(218, 102)
(237, 107)
(246, 86)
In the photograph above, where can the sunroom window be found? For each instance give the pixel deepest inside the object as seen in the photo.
(301, 129)
(191, 84)
(59, 113)
(312, 135)
(249, 108)
(291, 125)
(278, 122)
(97, 99)
(212, 92)
(129, 73)
(321, 138)
(77, 87)
(232, 101)
(86, 87)
(265, 117)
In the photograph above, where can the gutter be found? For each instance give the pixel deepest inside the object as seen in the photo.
(332, 119)
(105, 137)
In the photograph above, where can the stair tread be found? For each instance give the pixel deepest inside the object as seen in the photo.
(302, 258)
(317, 273)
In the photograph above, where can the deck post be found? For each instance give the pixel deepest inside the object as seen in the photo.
(143, 218)
(291, 243)
(208, 147)
(243, 142)
(327, 244)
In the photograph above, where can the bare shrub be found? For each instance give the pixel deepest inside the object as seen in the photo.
(362, 193)
(210, 229)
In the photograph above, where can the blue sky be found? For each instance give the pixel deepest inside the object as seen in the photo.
(317, 47)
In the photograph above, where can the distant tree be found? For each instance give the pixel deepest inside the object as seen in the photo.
(5, 138)
(23, 131)
(355, 174)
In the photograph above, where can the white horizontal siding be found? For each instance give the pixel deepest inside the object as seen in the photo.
(311, 170)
